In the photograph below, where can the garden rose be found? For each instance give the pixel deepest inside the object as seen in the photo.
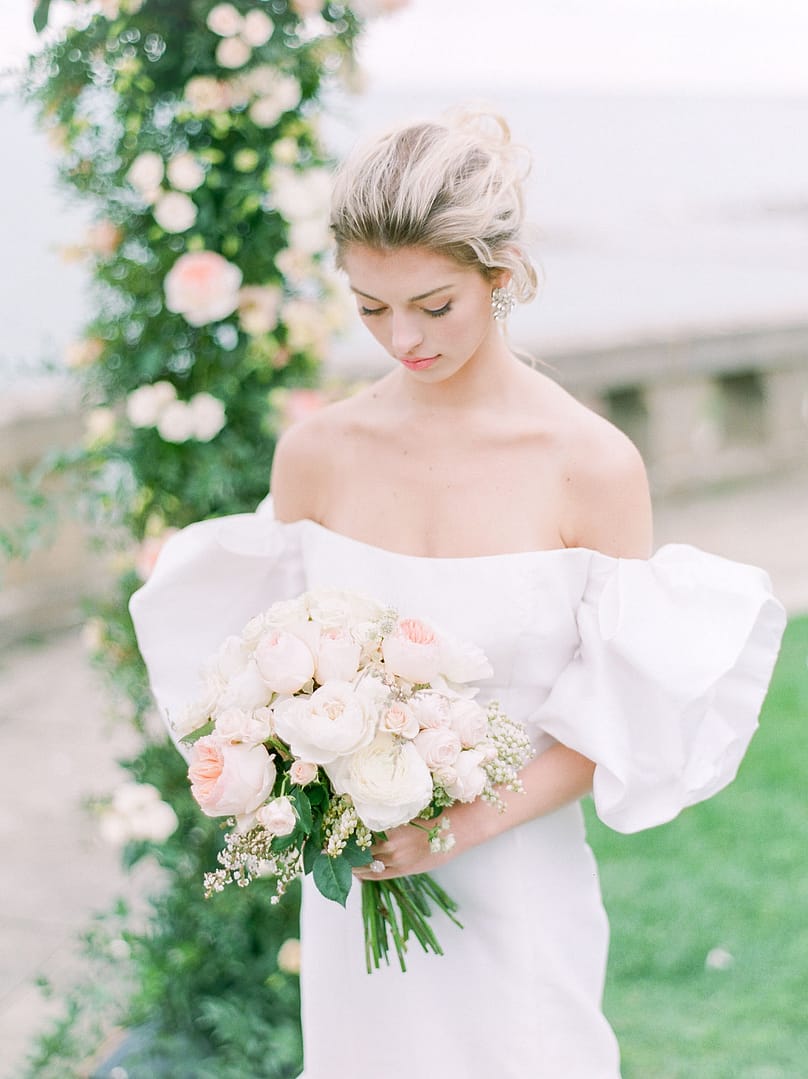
(302, 772)
(289, 956)
(440, 747)
(286, 151)
(337, 657)
(305, 329)
(145, 404)
(388, 781)
(258, 307)
(237, 725)
(278, 816)
(333, 608)
(246, 690)
(231, 658)
(412, 651)
(284, 661)
(300, 196)
(224, 20)
(145, 174)
(203, 287)
(137, 812)
(257, 28)
(175, 422)
(203, 94)
(336, 719)
(461, 661)
(431, 710)
(207, 416)
(399, 719)
(232, 52)
(185, 172)
(229, 779)
(470, 721)
(103, 238)
(174, 212)
(470, 779)
(310, 236)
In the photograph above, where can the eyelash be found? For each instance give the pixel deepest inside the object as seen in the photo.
(437, 313)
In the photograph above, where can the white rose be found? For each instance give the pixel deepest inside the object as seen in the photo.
(203, 287)
(337, 657)
(470, 721)
(207, 416)
(412, 651)
(137, 812)
(231, 658)
(229, 780)
(174, 212)
(232, 52)
(461, 661)
(470, 779)
(146, 173)
(333, 721)
(440, 747)
(287, 613)
(334, 608)
(175, 423)
(257, 28)
(197, 712)
(247, 690)
(185, 172)
(302, 772)
(431, 710)
(258, 307)
(203, 94)
(284, 662)
(388, 781)
(236, 725)
(278, 816)
(144, 405)
(399, 719)
(224, 20)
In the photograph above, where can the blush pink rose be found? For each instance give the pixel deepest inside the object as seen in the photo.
(338, 657)
(412, 651)
(203, 287)
(302, 772)
(399, 719)
(470, 777)
(470, 721)
(229, 779)
(439, 748)
(278, 816)
(284, 662)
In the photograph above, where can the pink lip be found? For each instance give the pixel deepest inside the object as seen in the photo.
(418, 363)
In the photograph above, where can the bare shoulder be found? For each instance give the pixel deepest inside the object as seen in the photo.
(306, 461)
(607, 504)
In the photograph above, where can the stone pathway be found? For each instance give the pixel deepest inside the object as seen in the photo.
(60, 749)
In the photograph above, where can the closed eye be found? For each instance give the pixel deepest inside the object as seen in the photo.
(370, 310)
(437, 312)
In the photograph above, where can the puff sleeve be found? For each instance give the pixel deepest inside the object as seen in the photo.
(663, 693)
(210, 579)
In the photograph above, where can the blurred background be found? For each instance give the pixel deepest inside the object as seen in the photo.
(669, 218)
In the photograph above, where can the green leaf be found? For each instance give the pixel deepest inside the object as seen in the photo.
(41, 12)
(194, 736)
(283, 842)
(311, 852)
(303, 807)
(333, 878)
(356, 855)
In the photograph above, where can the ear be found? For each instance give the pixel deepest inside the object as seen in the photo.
(501, 278)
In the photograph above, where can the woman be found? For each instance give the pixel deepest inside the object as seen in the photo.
(468, 489)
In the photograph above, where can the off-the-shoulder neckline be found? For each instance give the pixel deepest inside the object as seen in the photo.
(474, 558)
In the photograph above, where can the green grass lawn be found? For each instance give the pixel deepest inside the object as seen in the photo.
(732, 874)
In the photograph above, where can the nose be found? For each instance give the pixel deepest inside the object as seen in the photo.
(407, 335)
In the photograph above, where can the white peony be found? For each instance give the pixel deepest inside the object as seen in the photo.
(175, 422)
(146, 173)
(207, 416)
(174, 212)
(224, 20)
(334, 721)
(145, 404)
(284, 662)
(470, 777)
(203, 287)
(232, 52)
(278, 816)
(185, 172)
(257, 28)
(388, 781)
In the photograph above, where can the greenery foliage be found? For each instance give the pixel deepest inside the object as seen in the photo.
(191, 129)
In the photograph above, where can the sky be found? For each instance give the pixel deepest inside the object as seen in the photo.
(694, 46)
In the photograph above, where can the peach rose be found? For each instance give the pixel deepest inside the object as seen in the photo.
(412, 651)
(229, 779)
(203, 287)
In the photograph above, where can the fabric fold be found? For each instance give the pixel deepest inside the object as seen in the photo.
(666, 686)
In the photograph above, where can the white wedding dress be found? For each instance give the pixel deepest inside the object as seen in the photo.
(655, 670)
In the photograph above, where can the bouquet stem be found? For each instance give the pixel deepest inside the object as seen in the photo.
(392, 910)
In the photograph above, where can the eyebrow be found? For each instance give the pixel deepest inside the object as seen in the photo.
(412, 299)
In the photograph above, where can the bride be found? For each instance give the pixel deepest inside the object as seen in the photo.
(467, 488)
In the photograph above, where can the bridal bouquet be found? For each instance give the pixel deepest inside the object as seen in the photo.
(328, 721)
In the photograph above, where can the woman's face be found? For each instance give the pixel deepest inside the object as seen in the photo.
(430, 313)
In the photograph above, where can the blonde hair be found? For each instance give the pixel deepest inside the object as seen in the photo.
(453, 187)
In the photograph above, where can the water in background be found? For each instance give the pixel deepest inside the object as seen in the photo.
(652, 214)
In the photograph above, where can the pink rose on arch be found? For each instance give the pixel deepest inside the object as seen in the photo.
(229, 779)
(203, 287)
(412, 651)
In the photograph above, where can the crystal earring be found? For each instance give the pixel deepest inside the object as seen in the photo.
(503, 302)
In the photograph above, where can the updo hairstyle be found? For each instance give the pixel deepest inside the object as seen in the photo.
(454, 188)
